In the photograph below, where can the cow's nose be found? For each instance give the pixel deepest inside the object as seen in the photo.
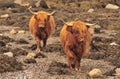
(76, 69)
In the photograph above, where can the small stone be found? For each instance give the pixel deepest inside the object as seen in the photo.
(30, 56)
(90, 10)
(21, 31)
(95, 73)
(9, 54)
(111, 6)
(13, 31)
(18, 2)
(117, 72)
(4, 16)
(1, 34)
(113, 43)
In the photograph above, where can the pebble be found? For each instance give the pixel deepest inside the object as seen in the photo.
(111, 6)
(21, 31)
(90, 10)
(13, 31)
(4, 16)
(113, 43)
(95, 73)
(117, 72)
(9, 54)
(30, 56)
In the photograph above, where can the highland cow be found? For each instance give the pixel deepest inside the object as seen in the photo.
(75, 38)
(41, 26)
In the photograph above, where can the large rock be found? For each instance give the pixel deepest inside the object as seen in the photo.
(30, 56)
(22, 2)
(25, 2)
(90, 10)
(18, 1)
(111, 6)
(9, 54)
(13, 31)
(117, 72)
(42, 3)
(95, 73)
(21, 31)
(4, 16)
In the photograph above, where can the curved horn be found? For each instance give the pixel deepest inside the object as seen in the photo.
(52, 13)
(90, 24)
(34, 13)
(63, 21)
(69, 23)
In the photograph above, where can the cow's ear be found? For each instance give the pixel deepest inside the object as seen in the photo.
(35, 16)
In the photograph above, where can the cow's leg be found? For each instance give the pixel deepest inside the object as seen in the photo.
(44, 42)
(71, 62)
(38, 41)
(71, 59)
(77, 64)
(70, 56)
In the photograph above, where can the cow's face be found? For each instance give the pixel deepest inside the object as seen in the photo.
(76, 32)
(41, 19)
(79, 31)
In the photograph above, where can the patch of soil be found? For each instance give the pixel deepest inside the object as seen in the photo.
(8, 64)
(57, 68)
(6, 39)
(53, 48)
(33, 47)
(18, 52)
(22, 41)
(4, 49)
(45, 66)
(2, 43)
(28, 61)
(103, 50)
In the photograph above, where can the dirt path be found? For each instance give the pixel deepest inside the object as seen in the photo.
(54, 64)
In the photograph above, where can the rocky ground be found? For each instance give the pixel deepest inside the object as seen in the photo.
(15, 38)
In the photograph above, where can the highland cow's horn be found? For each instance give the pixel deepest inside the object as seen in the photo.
(90, 24)
(69, 24)
(52, 13)
(34, 13)
(63, 21)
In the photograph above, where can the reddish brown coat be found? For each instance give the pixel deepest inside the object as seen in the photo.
(75, 38)
(41, 26)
